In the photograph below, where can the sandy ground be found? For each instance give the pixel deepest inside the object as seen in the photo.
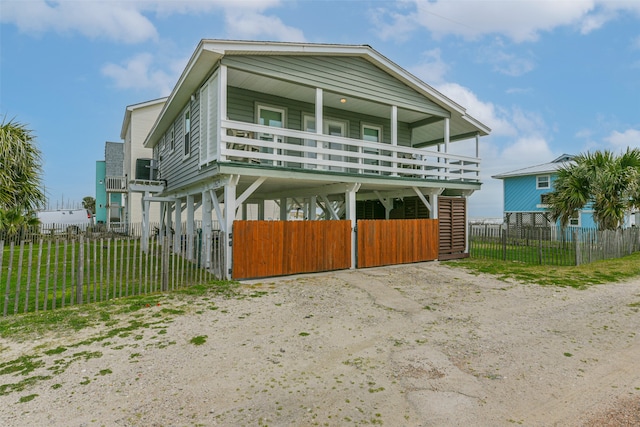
(416, 345)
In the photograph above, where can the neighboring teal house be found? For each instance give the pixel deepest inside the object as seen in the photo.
(109, 206)
(525, 193)
(101, 192)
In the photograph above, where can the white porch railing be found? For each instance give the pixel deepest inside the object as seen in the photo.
(116, 184)
(264, 145)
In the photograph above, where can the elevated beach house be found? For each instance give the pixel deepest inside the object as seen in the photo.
(525, 196)
(352, 144)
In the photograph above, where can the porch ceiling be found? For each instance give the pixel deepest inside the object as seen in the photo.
(430, 132)
(307, 94)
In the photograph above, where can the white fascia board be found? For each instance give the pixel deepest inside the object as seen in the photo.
(199, 66)
(129, 110)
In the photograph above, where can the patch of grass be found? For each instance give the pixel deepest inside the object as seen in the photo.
(567, 354)
(27, 398)
(56, 350)
(23, 365)
(304, 334)
(199, 340)
(104, 372)
(21, 385)
(578, 277)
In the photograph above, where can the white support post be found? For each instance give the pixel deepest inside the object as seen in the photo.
(423, 198)
(222, 106)
(394, 136)
(350, 215)
(477, 151)
(329, 208)
(313, 207)
(433, 197)
(229, 216)
(387, 202)
(447, 137)
(216, 206)
(190, 226)
(319, 120)
(145, 222)
(162, 226)
(283, 209)
(177, 236)
(207, 229)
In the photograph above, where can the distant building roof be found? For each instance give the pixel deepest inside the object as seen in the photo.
(544, 168)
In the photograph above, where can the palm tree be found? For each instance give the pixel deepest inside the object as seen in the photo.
(20, 168)
(14, 224)
(89, 203)
(609, 182)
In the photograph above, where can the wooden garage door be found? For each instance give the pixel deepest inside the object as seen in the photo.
(396, 241)
(452, 213)
(276, 248)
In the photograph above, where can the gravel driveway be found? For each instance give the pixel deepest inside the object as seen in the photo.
(416, 345)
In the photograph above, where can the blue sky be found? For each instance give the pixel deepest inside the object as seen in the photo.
(549, 77)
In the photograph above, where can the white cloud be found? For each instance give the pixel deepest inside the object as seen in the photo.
(129, 22)
(432, 69)
(141, 73)
(120, 21)
(519, 20)
(488, 113)
(496, 158)
(504, 62)
(628, 138)
(251, 25)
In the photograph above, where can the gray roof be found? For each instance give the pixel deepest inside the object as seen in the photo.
(542, 169)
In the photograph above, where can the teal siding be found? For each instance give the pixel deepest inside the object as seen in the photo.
(521, 194)
(101, 192)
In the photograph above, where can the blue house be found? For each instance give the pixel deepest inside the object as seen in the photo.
(525, 192)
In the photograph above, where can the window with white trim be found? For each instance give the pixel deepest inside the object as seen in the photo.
(172, 142)
(574, 220)
(543, 182)
(187, 132)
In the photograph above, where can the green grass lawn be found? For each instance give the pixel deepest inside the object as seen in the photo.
(549, 253)
(42, 276)
(579, 277)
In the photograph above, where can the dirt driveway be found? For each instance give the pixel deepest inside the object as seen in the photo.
(416, 345)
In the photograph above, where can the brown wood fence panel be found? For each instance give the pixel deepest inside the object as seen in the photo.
(398, 241)
(452, 213)
(276, 248)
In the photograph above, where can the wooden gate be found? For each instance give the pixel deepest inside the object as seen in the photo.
(398, 241)
(277, 248)
(452, 213)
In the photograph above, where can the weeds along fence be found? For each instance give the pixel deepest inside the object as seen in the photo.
(48, 273)
(551, 245)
